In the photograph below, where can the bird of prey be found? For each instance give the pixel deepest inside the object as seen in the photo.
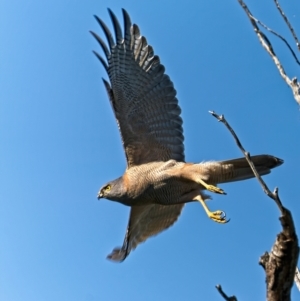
(157, 181)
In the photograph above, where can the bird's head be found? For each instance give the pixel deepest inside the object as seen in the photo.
(113, 190)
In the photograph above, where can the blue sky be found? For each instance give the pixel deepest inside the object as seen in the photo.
(60, 143)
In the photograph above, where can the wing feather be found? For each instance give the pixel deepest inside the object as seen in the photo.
(143, 97)
(146, 109)
(102, 44)
(103, 62)
(107, 33)
(117, 27)
(144, 222)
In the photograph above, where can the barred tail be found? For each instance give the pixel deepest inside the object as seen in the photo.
(239, 169)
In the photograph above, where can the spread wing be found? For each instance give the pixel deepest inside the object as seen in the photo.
(144, 102)
(142, 96)
(145, 221)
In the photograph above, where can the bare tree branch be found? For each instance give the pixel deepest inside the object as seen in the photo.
(297, 278)
(281, 263)
(273, 195)
(287, 23)
(292, 83)
(279, 36)
(220, 290)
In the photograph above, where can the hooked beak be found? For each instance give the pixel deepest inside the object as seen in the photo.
(99, 195)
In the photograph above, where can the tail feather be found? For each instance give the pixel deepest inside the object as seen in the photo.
(240, 169)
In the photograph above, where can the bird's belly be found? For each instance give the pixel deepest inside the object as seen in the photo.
(158, 183)
(165, 192)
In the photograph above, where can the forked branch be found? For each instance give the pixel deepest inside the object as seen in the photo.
(280, 264)
(220, 290)
(265, 42)
(286, 20)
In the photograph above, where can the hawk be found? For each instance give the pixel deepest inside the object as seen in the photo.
(157, 181)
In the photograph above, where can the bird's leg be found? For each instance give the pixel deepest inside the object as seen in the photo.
(217, 216)
(198, 173)
(210, 187)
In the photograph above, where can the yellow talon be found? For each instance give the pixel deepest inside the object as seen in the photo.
(215, 189)
(218, 216)
(211, 188)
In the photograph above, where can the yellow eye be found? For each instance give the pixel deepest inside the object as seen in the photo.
(107, 188)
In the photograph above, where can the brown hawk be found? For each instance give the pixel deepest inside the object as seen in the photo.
(157, 182)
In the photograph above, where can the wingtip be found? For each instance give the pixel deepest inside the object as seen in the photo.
(110, 12)
(100, 58)
(117, 27)
(125, 14)
(106, 83)
(124, 11)
(117, 255)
